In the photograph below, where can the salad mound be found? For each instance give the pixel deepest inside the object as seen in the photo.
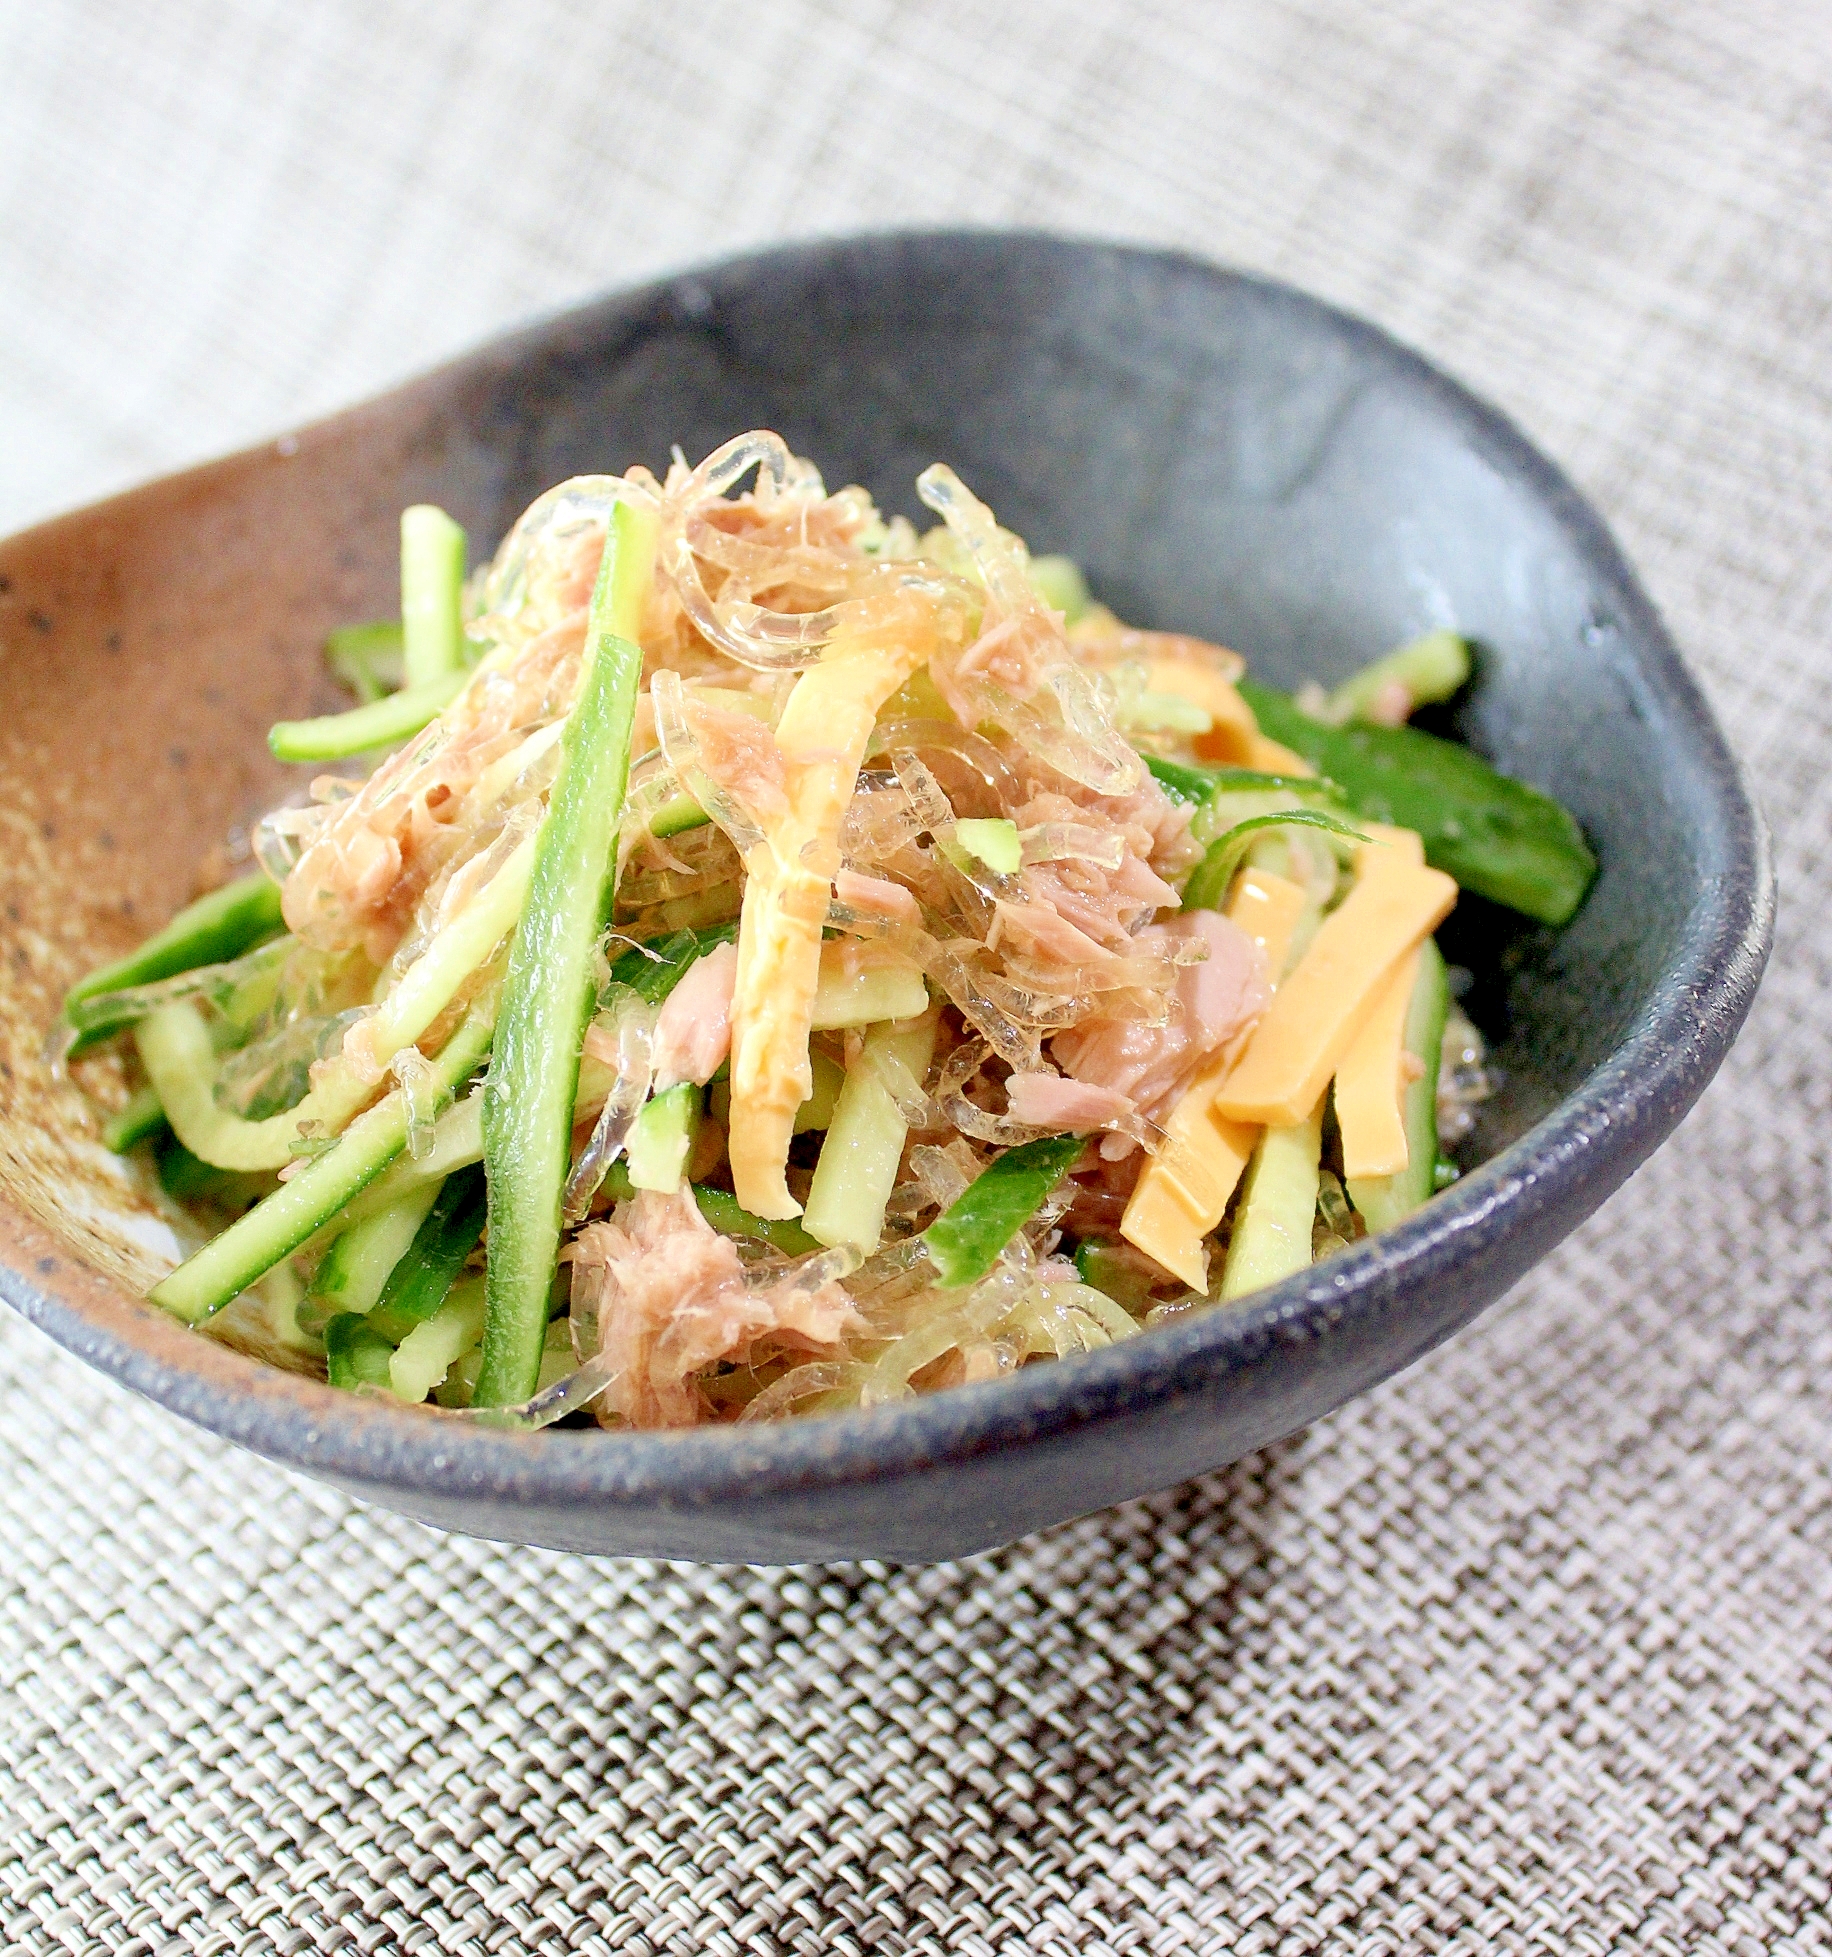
(745, 957)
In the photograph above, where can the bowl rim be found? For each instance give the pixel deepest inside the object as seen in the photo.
(1563, 1166)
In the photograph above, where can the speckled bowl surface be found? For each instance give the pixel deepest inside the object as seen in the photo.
(1223, 455)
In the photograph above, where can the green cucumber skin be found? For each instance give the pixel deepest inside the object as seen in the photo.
(1194, 783)
(965, 1240)
(676, 816)
(211, 931)
(369, 659)
(441, 1248)
(549, 992)
(654, 970)
(187, 1178)
(730, 1218)
(724, 1213)
(355, 1353)
(280, 1223)
(356, 1268)
(662, 1138)
(1499, 838)
(1385, 1200)
(1273, 1221)
(1207, 888)
(1435, 667)
(1100, 1264)
(379, 723)
(143, 1119)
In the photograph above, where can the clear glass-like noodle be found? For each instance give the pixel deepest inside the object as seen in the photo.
(1058, 710)
(626, 1024)
(579, 503)
(681, 746)
(849, 588)
(744, 630)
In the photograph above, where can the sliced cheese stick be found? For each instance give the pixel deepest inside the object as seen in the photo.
(1272, 758)
(1370, 1086)
(1234, 737)
(1232, 727)
(1267, 907)
(1395, 902)
(1183, 1190)
(822, 735)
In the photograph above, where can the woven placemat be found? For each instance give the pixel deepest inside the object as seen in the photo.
(1529, 1650)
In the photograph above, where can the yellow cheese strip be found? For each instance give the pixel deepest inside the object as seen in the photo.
(1267, 907)
(1271, 758)
(1232, 726)
(1234, 737)
(1319, 1009)
(1370, 1087)
(1182, 1191)
(825, 725)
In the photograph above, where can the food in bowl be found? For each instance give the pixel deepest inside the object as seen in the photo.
(781, 961)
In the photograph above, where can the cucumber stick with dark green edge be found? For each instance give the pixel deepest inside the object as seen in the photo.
(355, 1353)
(1498, 837)
(142, 1119)
(654, 969)
(211, 931)
(277, 1225)
(549, 992)
(441, 1247)
(965, 1240)
(724, 1213)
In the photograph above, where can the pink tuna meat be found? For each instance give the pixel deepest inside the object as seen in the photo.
(1215, 1002)
(672, 1300)
(693, 1031)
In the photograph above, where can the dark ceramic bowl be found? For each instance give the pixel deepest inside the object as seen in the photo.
(1223, 455)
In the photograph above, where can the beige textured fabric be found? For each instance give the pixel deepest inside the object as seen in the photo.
(1529, 1651)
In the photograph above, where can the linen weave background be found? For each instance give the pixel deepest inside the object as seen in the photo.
(1528, 1651)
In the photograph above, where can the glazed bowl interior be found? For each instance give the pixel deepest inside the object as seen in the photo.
(1223, 456)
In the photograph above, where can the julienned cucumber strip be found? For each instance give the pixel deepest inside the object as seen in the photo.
(662, 1138)
(432, 593)
(1384, 1200)
(1207, 888)
(1194, 783)
(378, 724)
(965, 1240)
(677, 815)
(654, 969)
(211, 931)
(548, 995)
(352, 1273)
(368, 659)
(865, 1136)
(441, 1248)
(730, 1218)
(142, 1118)
(276, 1226)
(723, 1211)
(1424, 670)
(1496, 836)
(355, 1353)
(1271, 1236)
